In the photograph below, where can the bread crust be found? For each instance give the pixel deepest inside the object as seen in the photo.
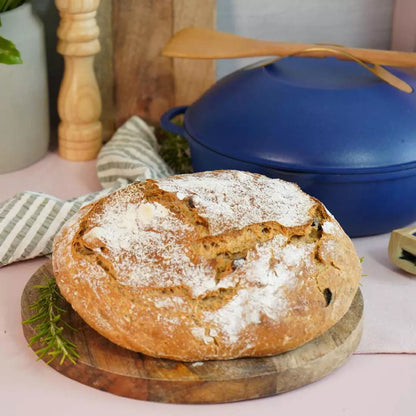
(193, 268)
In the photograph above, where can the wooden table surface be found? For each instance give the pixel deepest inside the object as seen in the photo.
(368, 384)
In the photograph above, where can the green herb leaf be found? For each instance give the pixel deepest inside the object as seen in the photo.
(50, 325)
(361, 260)
(174, 150)
(9, 53)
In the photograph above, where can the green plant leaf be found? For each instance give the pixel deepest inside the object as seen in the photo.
(174, 150)
(6, 5)
(9, 53)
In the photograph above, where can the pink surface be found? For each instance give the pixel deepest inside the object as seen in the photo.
(404, 26)
(52, 175)
(367, 384)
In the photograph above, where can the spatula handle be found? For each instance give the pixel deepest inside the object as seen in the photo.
(200, 43)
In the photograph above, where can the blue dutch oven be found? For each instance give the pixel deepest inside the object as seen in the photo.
(331, 126)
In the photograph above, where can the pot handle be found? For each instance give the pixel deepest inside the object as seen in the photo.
(166, 123)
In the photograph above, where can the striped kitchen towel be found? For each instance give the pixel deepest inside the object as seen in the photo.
(30, 220)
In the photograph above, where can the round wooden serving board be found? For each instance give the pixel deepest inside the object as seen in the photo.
(106, 366)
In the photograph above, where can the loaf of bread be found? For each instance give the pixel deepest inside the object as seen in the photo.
(214, 265)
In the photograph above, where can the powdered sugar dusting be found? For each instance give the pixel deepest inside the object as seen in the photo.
(270, 270)
(121, 224)
(168, 302)
(330, 227)
(144, 239)
(234, 199)
(198, 332)
(62, 252)
(146, 245)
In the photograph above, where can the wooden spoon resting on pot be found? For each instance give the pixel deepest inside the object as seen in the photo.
(199, 43)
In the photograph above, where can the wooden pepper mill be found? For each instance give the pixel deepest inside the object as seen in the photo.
(79, 100)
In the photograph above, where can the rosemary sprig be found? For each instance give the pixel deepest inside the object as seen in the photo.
(174, 150)
(50, 325)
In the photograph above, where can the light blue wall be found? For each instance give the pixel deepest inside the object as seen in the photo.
(360, 23)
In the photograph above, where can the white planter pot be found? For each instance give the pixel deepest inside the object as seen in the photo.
(24, 112)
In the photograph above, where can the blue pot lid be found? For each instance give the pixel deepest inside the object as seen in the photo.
(308, 114)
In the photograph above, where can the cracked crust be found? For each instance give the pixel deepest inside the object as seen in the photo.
(150, 270)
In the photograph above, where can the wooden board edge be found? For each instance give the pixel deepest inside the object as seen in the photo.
(204, 391)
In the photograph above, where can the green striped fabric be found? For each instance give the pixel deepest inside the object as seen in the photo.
(30, 220)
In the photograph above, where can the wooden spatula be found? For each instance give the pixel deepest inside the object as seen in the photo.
(201, 43)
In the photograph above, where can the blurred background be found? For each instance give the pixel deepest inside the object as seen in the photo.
(360, 23)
